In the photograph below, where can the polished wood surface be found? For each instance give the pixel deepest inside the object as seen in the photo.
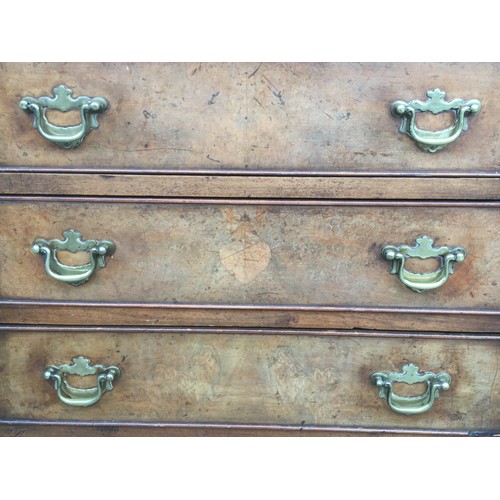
(249, 203)
(251, 379)
(252, 116)
(56, 428)
(99, 313)
(191, 252)
(14, 182)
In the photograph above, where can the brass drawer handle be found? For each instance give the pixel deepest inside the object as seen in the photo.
(429, 140)
(420, 282)
(74, 396)
(65, 137)
(411, 405)
(75, 275)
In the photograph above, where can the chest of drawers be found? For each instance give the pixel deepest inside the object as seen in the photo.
(249, 249)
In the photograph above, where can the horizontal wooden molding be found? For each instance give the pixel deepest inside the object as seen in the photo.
(210, 185)
(248, 316)
(268, 428)
(311, 172)
(268, 307)
(255, 202)
(14, 328)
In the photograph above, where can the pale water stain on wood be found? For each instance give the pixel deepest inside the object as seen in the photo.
(245, 255)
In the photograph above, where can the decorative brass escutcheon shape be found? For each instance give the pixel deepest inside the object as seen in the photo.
(411, 405)
(75, 275)
(65, 137)
(75, 396)
(421, 282)
(429, 140)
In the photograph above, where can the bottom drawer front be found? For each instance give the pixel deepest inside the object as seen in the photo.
(259, 379)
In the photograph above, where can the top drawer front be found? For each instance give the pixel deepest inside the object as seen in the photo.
(306, 117)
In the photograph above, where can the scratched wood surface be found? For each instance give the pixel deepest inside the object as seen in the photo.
(254, 186)
(318, 117)
(245, 379)
(112, 429)
(38, 312)
(190, 252)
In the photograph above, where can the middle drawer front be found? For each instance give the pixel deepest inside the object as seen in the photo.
(229, 377)
(291, 253)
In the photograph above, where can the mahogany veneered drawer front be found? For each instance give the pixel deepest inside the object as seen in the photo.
(253, 379)
(293, 117)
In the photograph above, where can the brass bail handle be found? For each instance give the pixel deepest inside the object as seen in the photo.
(411, 405)
(430, 140)
(68, 137)
(423, 249)
(75, 396)
(74, 275)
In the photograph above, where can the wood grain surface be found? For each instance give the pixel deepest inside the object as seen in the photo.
(254, 186)
(252, 117)
(251, 379)
(249, 203)
(252, 316)
(57, 428)
(235, 253)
